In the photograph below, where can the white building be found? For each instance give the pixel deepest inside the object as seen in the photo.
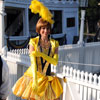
(19, 22)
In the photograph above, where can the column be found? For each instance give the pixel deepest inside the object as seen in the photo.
(2, 14)
(82, 28)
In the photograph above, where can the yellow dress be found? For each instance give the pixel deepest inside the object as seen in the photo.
(49, 87)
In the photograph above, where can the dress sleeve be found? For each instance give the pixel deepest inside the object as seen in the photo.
(56, 44)
(32, 42)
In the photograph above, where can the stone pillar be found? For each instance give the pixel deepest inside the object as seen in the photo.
(81, 42)
(2, 14)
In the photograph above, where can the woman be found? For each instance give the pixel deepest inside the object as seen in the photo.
(37, 82)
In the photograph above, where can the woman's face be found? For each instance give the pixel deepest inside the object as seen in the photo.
(45, 31)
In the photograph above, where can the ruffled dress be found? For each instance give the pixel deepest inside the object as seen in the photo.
(49, 87)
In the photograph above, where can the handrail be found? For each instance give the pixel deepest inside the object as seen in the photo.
(45, 1)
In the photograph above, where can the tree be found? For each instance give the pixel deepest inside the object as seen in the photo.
(92, 14)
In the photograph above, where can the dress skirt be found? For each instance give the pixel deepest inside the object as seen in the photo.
(49, 87)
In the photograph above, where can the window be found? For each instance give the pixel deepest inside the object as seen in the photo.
(71, 22)
(14, 22)
(57, 28)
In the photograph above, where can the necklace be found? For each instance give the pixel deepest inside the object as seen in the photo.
(44, 44)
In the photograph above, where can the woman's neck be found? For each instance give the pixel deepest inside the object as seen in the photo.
(44, 39)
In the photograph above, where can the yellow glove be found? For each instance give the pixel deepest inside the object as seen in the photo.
(34, 70)
(34, 86)
(51, 60)
(36, 53)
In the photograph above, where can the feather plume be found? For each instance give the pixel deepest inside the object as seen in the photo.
(38, 7)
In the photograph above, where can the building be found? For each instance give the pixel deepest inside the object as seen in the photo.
(19, 22)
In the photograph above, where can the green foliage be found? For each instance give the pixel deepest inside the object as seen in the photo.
(92, 14)
(92, 8)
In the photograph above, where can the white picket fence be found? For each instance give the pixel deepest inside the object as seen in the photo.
(80, 85)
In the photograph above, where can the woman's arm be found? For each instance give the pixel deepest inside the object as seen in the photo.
(34, 67)
(51, 60)
(31, 48)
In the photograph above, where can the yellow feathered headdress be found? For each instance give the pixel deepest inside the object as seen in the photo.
(38, 7)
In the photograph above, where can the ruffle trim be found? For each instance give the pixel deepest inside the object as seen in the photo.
(48, 88)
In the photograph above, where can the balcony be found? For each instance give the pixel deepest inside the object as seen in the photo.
(47, 2)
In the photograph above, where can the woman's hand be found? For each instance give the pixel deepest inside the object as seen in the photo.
(36, 53)
(34, 87)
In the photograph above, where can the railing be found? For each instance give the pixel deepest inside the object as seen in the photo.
(20, 51)
(88, 54)
(60, 1)
(45, 1)
(20, 56)
(85, 57)
(18, 1)
(79, 85)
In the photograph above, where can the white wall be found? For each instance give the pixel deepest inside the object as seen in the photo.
(85, 58)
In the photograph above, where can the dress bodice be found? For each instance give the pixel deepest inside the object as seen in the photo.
(42, 65)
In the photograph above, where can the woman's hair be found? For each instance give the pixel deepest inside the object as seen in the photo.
(42, 23)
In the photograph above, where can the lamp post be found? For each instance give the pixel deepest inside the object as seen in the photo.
(2, 14)
(83, 5)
